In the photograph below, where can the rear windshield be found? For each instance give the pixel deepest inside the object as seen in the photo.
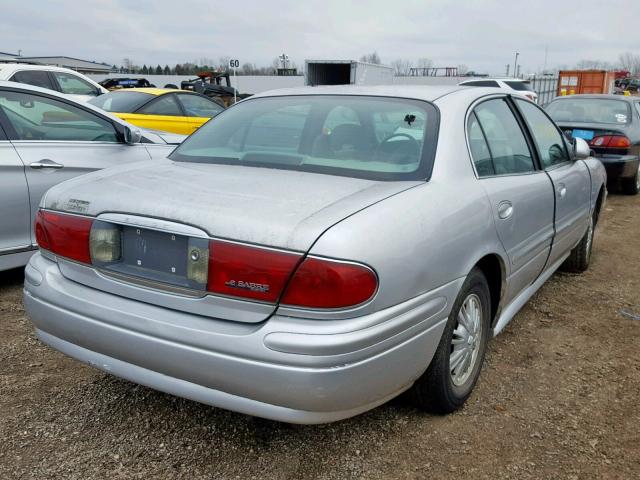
(590, 110)
(520, 86)
(121, 101)
(376, 138)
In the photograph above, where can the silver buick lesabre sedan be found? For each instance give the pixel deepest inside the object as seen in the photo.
(314, 252)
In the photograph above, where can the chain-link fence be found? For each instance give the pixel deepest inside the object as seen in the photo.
(546, 87)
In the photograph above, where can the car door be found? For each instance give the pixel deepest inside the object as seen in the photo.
(14, 207)
(198, 108)
(163, 113)
(58, 140)
(571, 180)
(520, 194)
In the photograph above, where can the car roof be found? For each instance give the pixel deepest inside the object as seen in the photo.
(417, 92)
(32, 66)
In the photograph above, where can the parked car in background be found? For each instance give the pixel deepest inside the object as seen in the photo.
(125, 82)
(314, 252)
(46, 138)
(523, 87)
(165, 109)
(611, 126)
(71, 84)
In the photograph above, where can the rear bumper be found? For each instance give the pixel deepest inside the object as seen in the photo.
(620, 166)
(293, 370)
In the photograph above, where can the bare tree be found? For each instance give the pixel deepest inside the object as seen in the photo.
(630, 61)
(424, 62)
(127, 64)
(223, 63)
(462, 69)
(401, 66)
(593, 65)
(371, 58)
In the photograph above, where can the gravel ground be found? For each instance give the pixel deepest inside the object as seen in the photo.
(558, 399)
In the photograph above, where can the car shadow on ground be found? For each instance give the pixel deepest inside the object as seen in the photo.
(12, 278)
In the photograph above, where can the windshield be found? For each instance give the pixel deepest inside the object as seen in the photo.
(590, 110)
(121, 101)
(377, 138)
(520, 86)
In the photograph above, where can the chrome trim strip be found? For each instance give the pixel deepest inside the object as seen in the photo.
(18, 249)
(152, 224)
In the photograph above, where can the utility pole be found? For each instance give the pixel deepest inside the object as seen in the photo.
(515, 64)
(507, 74)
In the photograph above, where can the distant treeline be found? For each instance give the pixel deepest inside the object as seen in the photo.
(192, 68)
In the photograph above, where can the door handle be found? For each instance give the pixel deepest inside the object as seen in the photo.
(505, 209)
(45, 163)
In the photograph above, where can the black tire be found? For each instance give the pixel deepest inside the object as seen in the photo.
(631, 186)
(580, 257)
(435, 390)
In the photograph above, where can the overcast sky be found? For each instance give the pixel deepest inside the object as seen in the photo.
(481, 34)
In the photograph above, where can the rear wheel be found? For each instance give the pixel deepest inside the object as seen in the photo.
(631, 186)
(455, 367)
(580, 256)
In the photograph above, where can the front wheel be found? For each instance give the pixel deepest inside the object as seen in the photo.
(455, 367)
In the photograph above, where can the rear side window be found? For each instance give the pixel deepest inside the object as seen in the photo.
(479, 148)
(37, 78)
(163, 105)
(547, 137)
(507, 145)
(365, 137)
(39, 118)
(481, 83)
(520, 86)
(73, 85)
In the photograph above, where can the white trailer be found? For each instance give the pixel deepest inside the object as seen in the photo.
(346, 72)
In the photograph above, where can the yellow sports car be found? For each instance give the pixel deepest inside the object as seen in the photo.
(171, 110)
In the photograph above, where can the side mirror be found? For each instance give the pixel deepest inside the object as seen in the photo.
(581, 149)
(131, 136)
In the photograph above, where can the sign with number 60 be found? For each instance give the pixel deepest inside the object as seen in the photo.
(234, 63)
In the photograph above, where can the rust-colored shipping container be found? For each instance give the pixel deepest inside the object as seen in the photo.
(571, 82)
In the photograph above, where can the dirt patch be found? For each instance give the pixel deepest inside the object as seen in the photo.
(558, 398)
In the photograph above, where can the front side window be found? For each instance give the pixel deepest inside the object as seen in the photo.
(164, 105)
(590, 110)
(197, 106)
(39, 118)
(73, 85)
(547, 137)
(37, 78)
(365, 137)
(121, 101)
(506, 142)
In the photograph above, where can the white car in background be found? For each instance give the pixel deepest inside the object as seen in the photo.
(71, 84)
(523, 87)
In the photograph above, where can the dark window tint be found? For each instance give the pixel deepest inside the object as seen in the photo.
(364, 137)
(37, 78)
(590, 110)
(520, 86)
(39, 118)
(481, 83)
(163, 105)
(197, 106)
(121, 102)
(506, 141)
(74, 85)
(547, 137)
(479, 148)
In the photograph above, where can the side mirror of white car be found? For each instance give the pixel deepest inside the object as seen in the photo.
(132, 136)
(581, 149)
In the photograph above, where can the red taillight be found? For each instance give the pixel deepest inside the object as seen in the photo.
(323, 283)
(64, 235)
(610, 141)
(248, 272)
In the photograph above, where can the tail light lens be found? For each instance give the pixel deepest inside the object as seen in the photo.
(610, 141)
(64, 235)
(249, 272)
(324, 283)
